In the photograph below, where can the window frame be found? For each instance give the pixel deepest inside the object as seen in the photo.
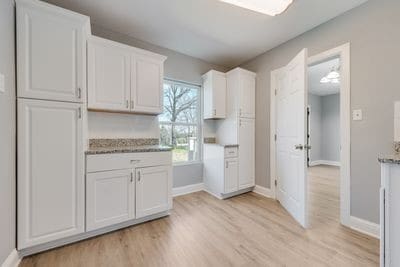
(198, 123)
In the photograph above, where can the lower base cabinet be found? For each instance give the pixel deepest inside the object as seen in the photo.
(152, 194)
(123, 187)
(109, 198)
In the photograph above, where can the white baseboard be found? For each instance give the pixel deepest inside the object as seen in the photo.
(266, 192)
(365, 227)
(325, 162)
(187, 189)
(12, 260)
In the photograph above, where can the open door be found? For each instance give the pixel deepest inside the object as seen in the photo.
(291, 148)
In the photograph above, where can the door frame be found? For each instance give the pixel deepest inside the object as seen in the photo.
(343, 52)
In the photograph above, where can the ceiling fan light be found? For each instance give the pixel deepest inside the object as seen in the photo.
(268, 7)
(336, 80)
(333, 75)
(325, 80)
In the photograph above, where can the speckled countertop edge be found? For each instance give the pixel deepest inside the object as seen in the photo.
(394, 158)
(124, 145)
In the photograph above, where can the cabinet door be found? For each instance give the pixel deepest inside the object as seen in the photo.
(147, 82)
(247, 90)
(153, 190)
(109, 198)
(231, 175)
(246, 153)
(51, 52)
(50, 171)
(214, 87)
(108, 76)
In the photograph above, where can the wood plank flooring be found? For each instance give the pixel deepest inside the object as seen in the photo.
(247, 230)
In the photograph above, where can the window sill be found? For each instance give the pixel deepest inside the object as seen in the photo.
(187, 163)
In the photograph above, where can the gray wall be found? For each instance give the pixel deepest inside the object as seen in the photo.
(325, 127)
(373, 32)
(314, 101)
(7, 130)
(177, 66)
(330, 126)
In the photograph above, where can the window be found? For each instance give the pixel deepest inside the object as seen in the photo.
(180, 121)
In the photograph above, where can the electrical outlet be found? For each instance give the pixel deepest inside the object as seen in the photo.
(2, 83)
(357, 115)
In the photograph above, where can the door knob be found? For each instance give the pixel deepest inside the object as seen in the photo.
(300, 147)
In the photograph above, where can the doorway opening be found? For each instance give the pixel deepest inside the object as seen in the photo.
(323, 141)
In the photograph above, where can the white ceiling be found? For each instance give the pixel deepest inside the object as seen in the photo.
(208, 29)
(315, 74)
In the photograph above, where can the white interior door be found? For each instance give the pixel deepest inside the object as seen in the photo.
(291, 129)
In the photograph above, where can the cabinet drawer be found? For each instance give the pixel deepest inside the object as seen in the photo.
(231, 152)
(108, 162)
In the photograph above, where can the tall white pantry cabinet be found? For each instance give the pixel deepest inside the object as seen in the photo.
(51, 73)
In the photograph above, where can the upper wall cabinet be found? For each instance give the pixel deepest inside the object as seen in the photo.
(123, 78)
(214, 86)
(109, 79)
(51, 52)
(242, 88)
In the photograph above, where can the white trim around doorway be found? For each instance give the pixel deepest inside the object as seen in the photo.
(343, 52)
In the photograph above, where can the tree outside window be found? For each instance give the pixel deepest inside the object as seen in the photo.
(179, 123)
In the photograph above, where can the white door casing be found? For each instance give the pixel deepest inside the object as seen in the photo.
(50, 171)
(291, 160)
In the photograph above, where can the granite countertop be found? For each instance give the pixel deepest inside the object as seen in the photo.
(395, 158)
(213, 141)
(127, 149)
(125, 145)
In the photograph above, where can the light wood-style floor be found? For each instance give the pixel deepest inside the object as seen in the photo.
(247, 230)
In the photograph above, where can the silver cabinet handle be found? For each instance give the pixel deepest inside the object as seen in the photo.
(127, 103)
(299, 147)
(139, 176)
(79, 113)
(132, 104)
(79, 92)
(133, 161)
(131, 177)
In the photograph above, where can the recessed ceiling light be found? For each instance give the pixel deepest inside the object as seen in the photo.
(269, 7)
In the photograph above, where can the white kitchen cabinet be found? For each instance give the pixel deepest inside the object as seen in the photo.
(390, 214)
(152, 190)
(241, 86)
(147, 84)
(214, 88)
(246, 153)
(221, 170)
(122, 78)
(50, 171)
(51, 52)
(109, 68)
(231, 175)
(110, 198)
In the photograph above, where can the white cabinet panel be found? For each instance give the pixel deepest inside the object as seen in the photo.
(214, 86)
(108, 76)
(50, 171)
(147, 81)
(246, 153)
(109, 198)
(153, 190)
(51, 52)
(247, 95)
(231, 175)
